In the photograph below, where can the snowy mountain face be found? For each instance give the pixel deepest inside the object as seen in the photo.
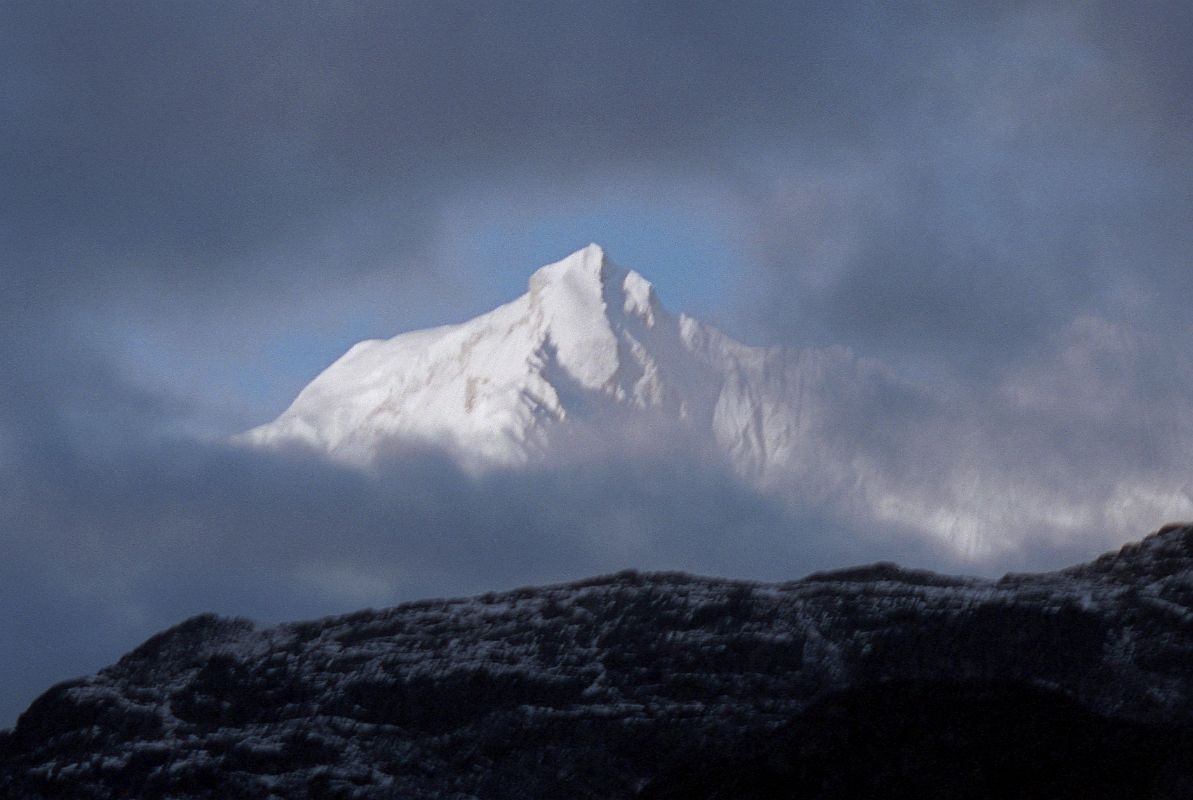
(589, 342)
(630, 685)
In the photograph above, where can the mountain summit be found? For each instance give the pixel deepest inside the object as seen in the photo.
(588, 343)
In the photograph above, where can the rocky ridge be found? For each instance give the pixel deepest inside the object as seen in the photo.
(591, 687)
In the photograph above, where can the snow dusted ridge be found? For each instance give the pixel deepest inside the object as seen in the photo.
(588, 337)
(588, 689)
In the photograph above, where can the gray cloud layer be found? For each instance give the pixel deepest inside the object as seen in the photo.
(996, 202)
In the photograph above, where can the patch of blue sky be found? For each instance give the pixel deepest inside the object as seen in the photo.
(684, 247)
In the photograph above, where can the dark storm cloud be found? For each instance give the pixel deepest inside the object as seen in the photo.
(177, 143)
(949, 182)
(1014, 158)
(1030, 170)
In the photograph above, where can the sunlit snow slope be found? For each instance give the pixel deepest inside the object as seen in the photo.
(587, 339)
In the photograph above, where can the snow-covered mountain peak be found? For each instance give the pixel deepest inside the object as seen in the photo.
(592, 316)
(584, 270)
(589, 341)
(587, 333)
(587, 284)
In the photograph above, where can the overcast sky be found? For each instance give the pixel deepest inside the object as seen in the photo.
(204, 204)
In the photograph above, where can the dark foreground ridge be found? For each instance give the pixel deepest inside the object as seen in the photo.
(874, 681)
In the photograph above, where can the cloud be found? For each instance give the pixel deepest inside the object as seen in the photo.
(105, 545)
(932, 185)
(1023, 176)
